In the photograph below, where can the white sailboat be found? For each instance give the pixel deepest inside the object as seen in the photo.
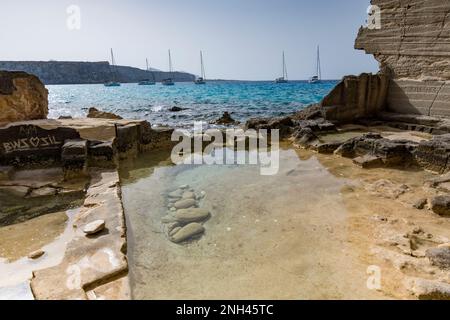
(202, 78)
(169, 81)
(318, 77)
(113, 82)
(284, 78)
(148, 82)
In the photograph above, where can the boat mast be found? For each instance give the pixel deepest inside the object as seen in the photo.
(203, 66)
(170, 62)
(113, 64)
(319, 67)
(285, 74)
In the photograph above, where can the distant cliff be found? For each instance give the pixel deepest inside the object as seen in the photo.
(59, 72)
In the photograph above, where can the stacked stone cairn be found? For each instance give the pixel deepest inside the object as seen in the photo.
(185, 218)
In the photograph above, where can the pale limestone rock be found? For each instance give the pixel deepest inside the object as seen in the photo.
(413, 50)
(94, 227)
(191, 215)
(22, 97)
(36, 255)
(188, 195)
(188, 232)
(184, 204)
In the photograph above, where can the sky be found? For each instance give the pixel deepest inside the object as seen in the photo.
(241, 39)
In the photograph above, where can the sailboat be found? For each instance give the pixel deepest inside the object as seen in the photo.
(148, 82)
(318, 77)
(169, 81)
(202, 79)
(113, 82)
(284, 78)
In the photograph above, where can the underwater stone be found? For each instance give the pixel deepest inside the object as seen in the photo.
(191, 215)
(177, 194)
(184, 204)
(188, 232)
(188, 195)
(174, 231)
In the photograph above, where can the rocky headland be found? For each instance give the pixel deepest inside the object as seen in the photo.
(67, 72)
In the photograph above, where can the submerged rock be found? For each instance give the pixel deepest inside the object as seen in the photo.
(441, 205)
(368, 161)
(184, 204)
(387, 189)
(174, 231)
(226, 119)
(177, 194)
(95, 113)
(185, 216)
(188, 232)
(188, 195)
(177, 109)
(94, 227)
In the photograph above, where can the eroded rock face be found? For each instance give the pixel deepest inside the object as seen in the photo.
(434, 155)
(390, 152)
(22, 97)
(413, 49)
(356, 97)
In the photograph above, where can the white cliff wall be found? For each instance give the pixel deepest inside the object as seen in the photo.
(413, 48)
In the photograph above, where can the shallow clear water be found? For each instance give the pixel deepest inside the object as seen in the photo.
(269, 237)
(203, 103)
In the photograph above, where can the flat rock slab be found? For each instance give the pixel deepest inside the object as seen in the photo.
(42, 192)
(94, 227)
(15, 191)
(185, 204)
(368, 162)
(6, 172)
(441, 205)
(188, 232)
(191, 215)
(92, 267)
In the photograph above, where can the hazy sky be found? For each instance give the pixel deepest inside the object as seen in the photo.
(241, 39)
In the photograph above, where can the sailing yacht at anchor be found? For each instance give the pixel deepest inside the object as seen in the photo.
(169, 81)
(113, 82)
(284, 78)
(318, 77)
(148, 82)
(202, 78)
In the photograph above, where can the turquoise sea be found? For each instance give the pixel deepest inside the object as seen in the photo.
(243, 100)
